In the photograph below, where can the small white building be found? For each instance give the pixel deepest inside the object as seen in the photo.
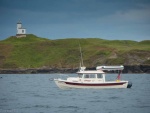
(21, 32)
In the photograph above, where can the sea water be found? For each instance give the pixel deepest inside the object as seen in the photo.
(36, 93)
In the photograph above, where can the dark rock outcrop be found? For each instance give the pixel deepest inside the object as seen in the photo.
(136, 69)
(127, 69)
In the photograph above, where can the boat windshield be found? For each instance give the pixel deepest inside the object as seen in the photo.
(99, 76)
(89, 76)
(80, 75)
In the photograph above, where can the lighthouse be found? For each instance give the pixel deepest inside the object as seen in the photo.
(21, 32)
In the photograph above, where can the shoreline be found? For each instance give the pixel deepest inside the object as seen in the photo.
(127, 69)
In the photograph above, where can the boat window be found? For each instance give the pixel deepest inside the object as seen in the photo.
(80, 75)
(89, 76)
(86, 76)
(99, 76)
(92, 75)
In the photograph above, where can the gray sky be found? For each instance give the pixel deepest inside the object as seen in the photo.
(55, 19)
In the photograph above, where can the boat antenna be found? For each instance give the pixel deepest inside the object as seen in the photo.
(81, 63)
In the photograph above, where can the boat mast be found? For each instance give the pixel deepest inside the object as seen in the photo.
(81, 63)
(82, 67)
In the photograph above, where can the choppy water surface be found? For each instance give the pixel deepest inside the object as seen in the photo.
(35, 93)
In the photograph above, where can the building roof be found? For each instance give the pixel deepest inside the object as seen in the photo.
(19, 22)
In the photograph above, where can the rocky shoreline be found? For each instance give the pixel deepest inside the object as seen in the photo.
(127, 69)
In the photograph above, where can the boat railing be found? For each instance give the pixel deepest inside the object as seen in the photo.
(60, 76)
(63, 76)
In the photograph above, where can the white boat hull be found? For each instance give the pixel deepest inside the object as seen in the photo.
(63, 84)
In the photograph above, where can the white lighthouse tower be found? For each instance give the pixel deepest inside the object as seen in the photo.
(21, 32)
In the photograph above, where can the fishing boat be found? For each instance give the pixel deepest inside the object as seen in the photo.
(93, 79)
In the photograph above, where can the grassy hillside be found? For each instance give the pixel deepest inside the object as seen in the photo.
(36, 52)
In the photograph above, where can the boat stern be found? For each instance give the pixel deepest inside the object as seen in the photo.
(129, 84)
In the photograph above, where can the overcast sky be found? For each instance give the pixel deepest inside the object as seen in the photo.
(55, 19)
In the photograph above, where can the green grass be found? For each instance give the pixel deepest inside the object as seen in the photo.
(36, 52)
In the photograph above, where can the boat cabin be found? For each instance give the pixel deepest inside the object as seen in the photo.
(91, 76)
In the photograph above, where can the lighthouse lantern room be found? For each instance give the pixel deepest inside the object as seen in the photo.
(21, 32)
